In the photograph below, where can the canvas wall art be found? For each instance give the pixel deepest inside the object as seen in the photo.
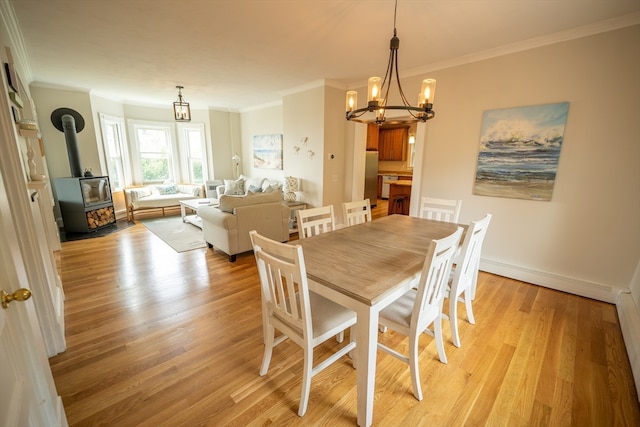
(519, 151)
(267, 151)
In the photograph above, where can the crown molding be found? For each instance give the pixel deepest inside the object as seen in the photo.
(16, 40)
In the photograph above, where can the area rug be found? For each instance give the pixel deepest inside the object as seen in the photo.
(180, 236)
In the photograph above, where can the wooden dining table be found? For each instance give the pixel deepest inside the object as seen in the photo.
(365, 268)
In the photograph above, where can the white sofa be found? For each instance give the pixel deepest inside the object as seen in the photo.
(159, 197)
(226, 227)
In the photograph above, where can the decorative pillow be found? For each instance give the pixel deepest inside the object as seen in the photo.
(254, 189)
(234, 187)
(143, 192)
(256, 182)
(138, 193)
(269, 186)
(167, 189)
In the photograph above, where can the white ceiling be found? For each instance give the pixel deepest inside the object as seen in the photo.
(238, 54)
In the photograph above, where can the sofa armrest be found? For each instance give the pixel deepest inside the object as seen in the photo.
(191, 189)
(220, 189)
(133, 194)
(215, 217)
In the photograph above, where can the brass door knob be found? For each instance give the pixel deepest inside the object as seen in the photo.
(21, 294)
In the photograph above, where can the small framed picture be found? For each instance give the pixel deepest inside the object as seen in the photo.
(11, 77)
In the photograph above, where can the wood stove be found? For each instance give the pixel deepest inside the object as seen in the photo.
(85, 203)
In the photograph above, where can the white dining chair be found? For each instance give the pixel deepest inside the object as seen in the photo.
(314, 221)
(440, 209)
(464, 277)
(356, 212)
(304, 317)
(416, 310)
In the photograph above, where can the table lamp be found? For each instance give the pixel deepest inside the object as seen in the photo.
(290, 188)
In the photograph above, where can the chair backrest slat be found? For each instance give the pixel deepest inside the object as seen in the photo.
(356, 212)
(440, 209)
(315, 221)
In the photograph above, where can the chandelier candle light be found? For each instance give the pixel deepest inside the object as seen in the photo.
(378, 93)
(181, 109)
(290, 188)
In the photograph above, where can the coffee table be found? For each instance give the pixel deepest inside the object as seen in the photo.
(193, 205)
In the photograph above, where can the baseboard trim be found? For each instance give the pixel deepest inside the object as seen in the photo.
(61, 414)
(629, 315)
(570, 285)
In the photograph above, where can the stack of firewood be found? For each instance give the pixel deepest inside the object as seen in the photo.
(101, 217)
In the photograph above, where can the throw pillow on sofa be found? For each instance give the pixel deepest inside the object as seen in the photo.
(254, 189)
(167, 189)
(269, 185)
(234, 187)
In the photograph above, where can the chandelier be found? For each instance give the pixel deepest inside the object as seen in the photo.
(378, 93)
(181, 109)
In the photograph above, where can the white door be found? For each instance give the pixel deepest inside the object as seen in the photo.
(28, 395)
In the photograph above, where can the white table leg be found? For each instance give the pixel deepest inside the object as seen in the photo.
(183, 211)
(366, 350)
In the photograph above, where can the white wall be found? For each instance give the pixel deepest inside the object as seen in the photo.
(46, 101)
(262, 121)
(585, 240)
(225, 141)
(303, 117)
(336, 147)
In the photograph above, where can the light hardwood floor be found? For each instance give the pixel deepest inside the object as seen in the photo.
(157, 337)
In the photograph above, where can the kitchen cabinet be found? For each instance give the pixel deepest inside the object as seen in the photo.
(392, 143)
(372, 137)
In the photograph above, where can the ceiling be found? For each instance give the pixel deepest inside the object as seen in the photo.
(238, 54)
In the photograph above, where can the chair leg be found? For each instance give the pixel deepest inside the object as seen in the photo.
(306, 380)
(340, 337)
(467, 304)
(453, 320)
(413, 366)
(268, 348)
(437, 332)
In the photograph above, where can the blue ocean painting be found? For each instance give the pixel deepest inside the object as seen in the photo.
(267, 151)
(519, 151)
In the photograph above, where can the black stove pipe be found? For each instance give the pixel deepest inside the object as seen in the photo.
(70, 122)
(71, 137)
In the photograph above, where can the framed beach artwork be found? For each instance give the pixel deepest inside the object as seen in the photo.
(519, 151)
(267, 151)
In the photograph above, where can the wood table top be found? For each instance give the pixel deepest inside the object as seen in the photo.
(368, 260)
